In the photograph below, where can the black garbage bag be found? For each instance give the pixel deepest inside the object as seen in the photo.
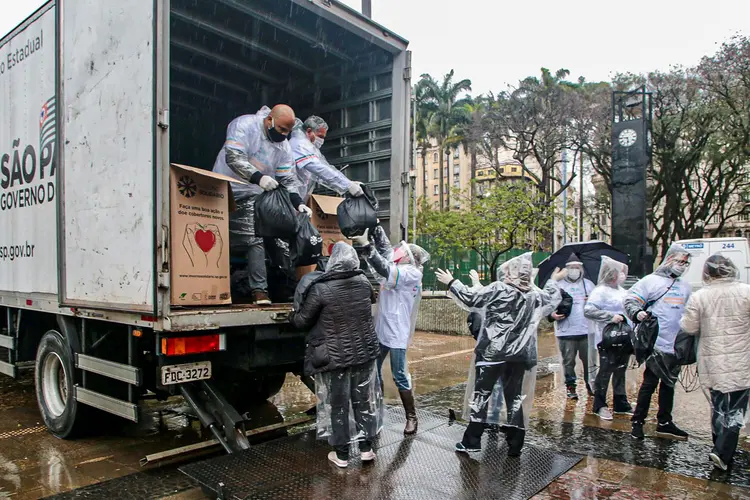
(685, 349)
(307, 247)
(355, 215)
(616, 337)
(280, 270)
(644, 338)
(565, 307)
(275, 217)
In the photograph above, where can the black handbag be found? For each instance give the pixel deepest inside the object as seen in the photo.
(685, 349)
(647, 331)
(644, 338)
(617, 337)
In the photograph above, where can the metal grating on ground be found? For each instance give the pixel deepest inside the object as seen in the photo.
(22, 432)
(423, 466)
(157, 483)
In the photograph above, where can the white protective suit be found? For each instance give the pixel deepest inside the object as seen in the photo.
(669, 306)
(400, 290)
(575, 323)
(606, 301)
(312, 166)
(247, 155)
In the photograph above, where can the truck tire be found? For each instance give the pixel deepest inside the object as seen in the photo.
(54, 377)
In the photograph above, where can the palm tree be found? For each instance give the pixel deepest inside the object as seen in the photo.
(446, 111)
(422, 115)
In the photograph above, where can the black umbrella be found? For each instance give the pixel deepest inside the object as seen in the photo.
(590, 253)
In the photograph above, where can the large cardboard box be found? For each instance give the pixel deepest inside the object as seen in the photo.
(326, 221)
(200, 202)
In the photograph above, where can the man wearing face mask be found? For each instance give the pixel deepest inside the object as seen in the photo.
(256, 151)
(662, 295)
(306, 140)
(572, 331)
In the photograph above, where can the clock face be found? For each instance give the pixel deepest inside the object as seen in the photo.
(627, 137)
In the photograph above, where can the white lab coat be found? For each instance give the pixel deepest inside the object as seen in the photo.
(398, 305)
(273, 159)
(575, 323)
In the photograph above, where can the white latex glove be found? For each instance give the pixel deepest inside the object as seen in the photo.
(618, 318)
(268, 183)
(559, 274)
(363, 240)
(474, 275)
(642, 315)
(304, 209)
(355, 189)
(444, 277)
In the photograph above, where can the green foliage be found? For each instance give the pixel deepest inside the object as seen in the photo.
(509, 215)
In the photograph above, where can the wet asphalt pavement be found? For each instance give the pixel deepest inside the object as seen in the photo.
(34, 464)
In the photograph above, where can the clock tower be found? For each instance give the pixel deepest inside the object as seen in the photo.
(631, 159)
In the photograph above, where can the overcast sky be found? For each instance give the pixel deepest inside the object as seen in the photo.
(495, 42)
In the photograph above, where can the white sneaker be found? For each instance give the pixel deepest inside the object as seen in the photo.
(604, 413)
(338, 463)
(367, 456)
(718, 462)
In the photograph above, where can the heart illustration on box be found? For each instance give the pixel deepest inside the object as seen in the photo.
(205, 240)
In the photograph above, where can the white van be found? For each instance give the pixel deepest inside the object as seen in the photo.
(736, 249)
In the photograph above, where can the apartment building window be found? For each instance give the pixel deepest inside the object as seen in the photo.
(744, 216)
(455, 153)
(445, 172)
(456, 183)
(514, 170)
(456, 169)
(435, 174)
(480, 173)
(502, 170)
(434, 157)
(436, 190)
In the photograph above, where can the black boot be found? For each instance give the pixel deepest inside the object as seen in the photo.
(407, 399)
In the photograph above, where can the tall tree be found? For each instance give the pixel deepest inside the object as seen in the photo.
(533, 121)
(446, 111)
(510, 215)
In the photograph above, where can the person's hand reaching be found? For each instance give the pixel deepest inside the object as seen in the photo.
(444, 277)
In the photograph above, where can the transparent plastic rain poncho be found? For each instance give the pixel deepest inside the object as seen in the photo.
(248, 150)
(718, 315)
(350, 404)
(663, 294)
(604, 303)
(400, 271)
(311, 166)
(502, 375)
(350, 401)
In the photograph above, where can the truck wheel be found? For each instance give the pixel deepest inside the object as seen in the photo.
(55, 385)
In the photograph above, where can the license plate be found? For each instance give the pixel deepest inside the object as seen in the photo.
(188, 372)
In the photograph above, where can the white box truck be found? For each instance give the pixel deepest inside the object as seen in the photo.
(735, 249)
(97, 98)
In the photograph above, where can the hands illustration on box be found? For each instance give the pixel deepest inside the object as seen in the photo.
(203, 239)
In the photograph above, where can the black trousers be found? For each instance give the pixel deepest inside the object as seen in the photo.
(611, 365)
(666, 399)
(511, 376)
(727, 417)
(352, 388)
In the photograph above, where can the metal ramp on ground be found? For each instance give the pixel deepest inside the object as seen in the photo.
(422, 466)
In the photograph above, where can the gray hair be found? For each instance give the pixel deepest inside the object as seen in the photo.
(315, 123)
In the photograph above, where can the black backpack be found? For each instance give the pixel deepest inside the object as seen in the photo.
(617, 337)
